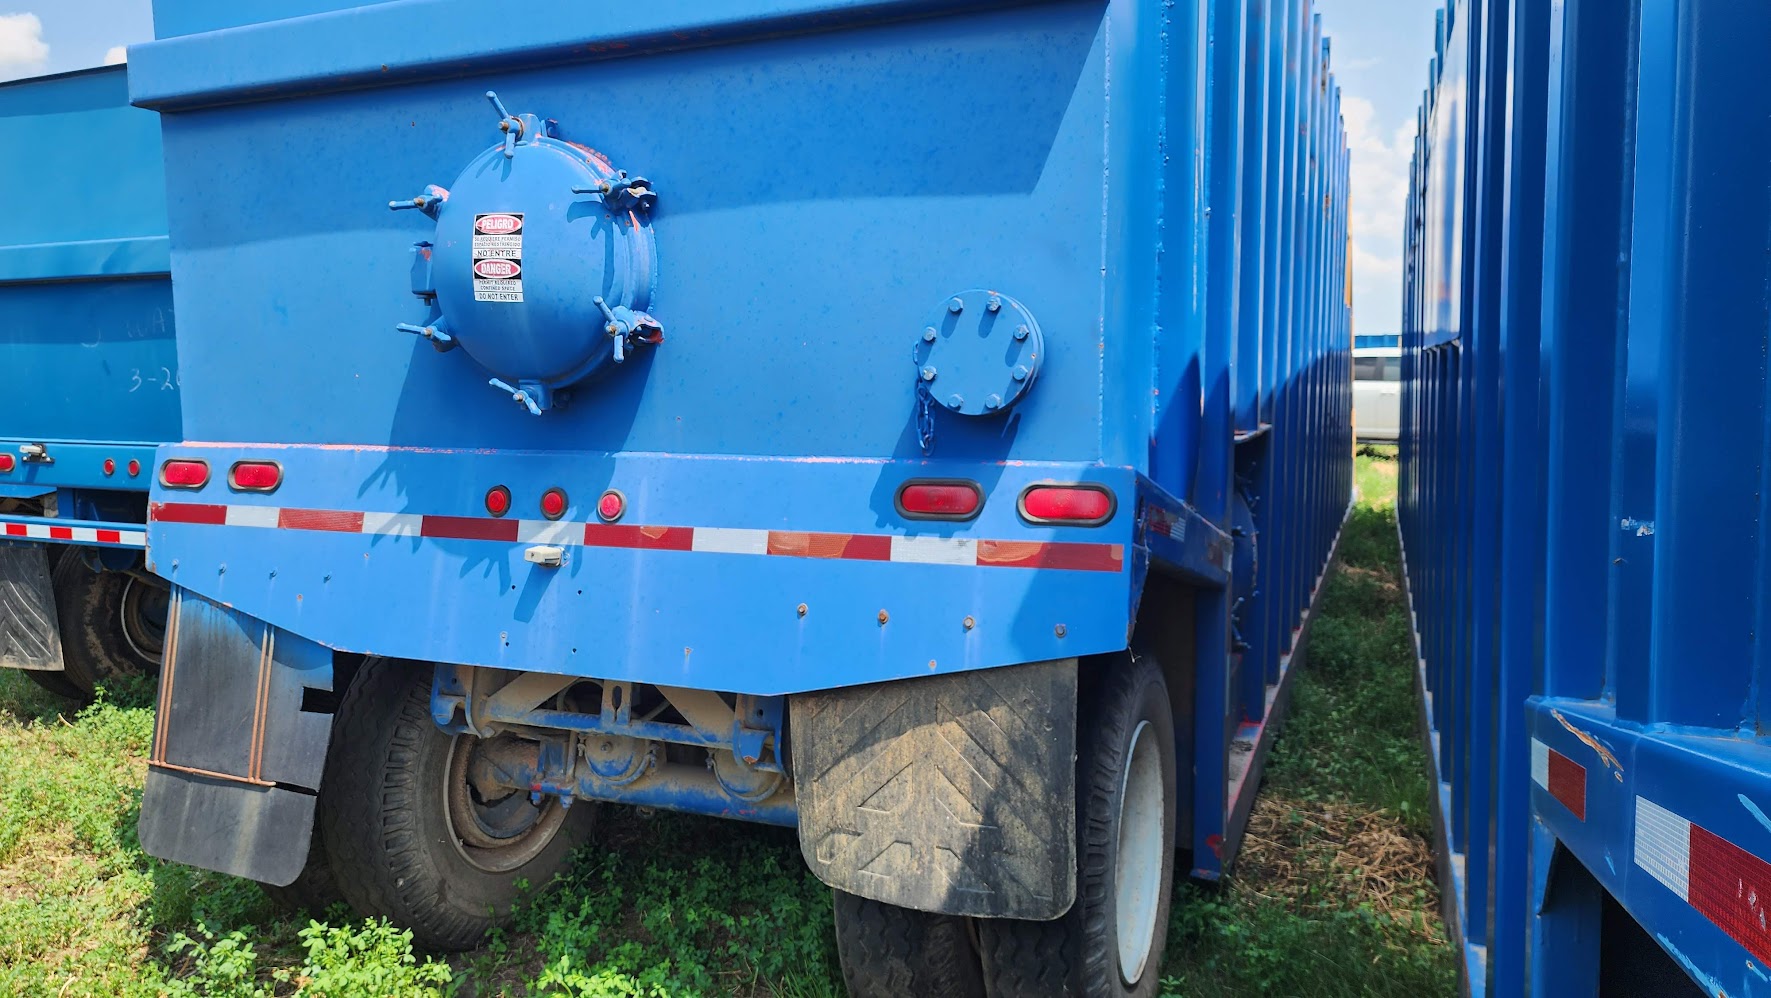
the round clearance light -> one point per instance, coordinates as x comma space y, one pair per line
7, 462
553, 503
110, 466
498, 500
611, 505
134, 468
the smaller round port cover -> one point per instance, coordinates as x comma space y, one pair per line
978, 353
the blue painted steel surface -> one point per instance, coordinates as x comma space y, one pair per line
1168, 210
1583, 491
85, 304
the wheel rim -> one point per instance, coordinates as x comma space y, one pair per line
496, 834
142, 618
1138, 876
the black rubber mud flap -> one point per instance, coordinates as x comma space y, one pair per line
952, 794
29, 637
239, 744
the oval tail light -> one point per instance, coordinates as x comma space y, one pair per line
183, 473
944, 500
255, 476
7, 462
1071, 505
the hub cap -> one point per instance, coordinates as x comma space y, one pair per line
496, 829
1138, 878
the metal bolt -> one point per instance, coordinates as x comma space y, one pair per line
1022, 332
884, 616
223, 570
970, 623
929, 334
1020, 372
956, 306
994, 305
611, 329
993, 402
956, 400
928, 374
1060, 630
802, 609
931, 665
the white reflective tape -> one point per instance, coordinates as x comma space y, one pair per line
935, 550
37, 530
729, 540
1540, 764
252, 516
1663, 846
549, 532
396, 524
132, 538
85, 535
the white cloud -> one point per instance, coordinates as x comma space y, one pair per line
116, 55
1378, 195
22, 49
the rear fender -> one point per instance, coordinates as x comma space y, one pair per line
953, 794
239, 744
29, 636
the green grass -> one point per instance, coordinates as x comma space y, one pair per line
678, 906
1334, 896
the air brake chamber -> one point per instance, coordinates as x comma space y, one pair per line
541, 267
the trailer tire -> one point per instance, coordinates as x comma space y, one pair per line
1109, 944
113, 624
887, 951
57, 683
386, 811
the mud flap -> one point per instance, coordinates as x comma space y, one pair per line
952, 794
29, 635
239, 744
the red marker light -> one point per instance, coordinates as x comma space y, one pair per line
110, 466
611, 505
498, 500
184, 474
553, 504
7, 462
940, 500
1081, 505
134, 468
255, 476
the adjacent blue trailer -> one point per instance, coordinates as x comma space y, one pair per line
86, 331
1584, 492
925, 425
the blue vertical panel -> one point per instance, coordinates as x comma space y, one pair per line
1586, 232
1216, 699
1699, 301
1259, 70
1521, 534
1182, 293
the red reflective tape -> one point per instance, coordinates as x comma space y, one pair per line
341, 520
1731, 887
187, 512
17, 530
620, 535
1568, 783
854, 547
61, 533
1062, 555
109, 536
468, 528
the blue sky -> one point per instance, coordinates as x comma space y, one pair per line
1380, 51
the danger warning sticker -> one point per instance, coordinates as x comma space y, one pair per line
497, 257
